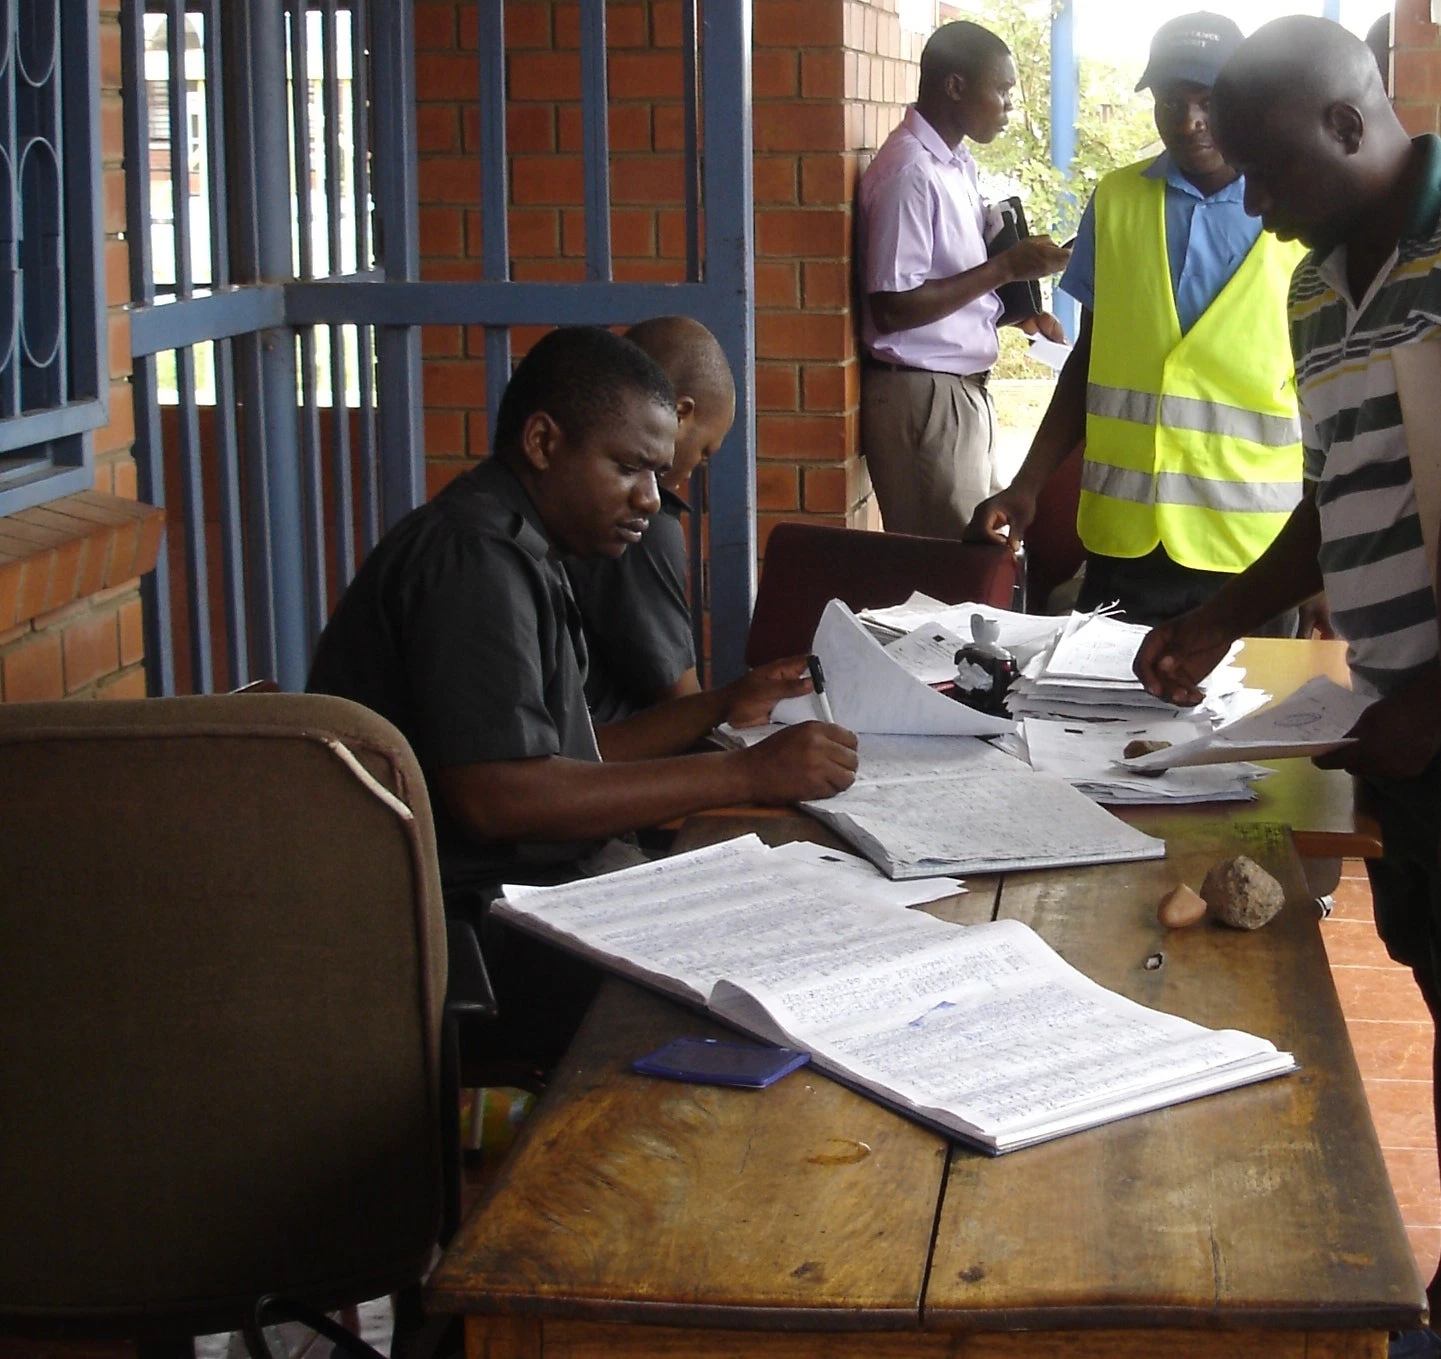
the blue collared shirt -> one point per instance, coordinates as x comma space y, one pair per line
1206, 240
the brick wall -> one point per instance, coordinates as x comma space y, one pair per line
54, 644
830, 77
1416, 67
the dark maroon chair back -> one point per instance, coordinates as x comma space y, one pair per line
806, 565
1053, 547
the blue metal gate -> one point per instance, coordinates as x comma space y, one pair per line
307, 298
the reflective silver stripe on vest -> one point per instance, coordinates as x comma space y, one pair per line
1121, 403
1188, 412
1176, 488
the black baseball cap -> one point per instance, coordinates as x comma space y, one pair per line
1190, 47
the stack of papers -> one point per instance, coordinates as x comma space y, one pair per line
1312, 721
1081, 705
1024, 635
1087, 674
929, 797
1088, 755
998, 821
981, 1031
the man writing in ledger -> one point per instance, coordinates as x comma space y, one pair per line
1301, 111
930, 309
460, 629
634, 607
1180, 383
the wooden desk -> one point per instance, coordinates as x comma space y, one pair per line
642, 1217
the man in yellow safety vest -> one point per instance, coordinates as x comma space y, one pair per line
1181, 380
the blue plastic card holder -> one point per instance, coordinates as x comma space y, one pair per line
709, 1061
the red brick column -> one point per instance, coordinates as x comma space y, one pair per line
1416, 66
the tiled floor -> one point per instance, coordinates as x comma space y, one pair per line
1391, 1033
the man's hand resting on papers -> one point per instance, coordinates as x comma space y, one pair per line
1011, 509
1176, 656
1397, 736
809, 760
749, 700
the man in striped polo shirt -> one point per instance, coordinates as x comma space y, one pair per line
1301, 112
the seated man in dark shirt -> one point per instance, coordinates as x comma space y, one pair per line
460, 628
634, 607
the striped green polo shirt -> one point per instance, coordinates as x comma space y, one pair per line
1372, 554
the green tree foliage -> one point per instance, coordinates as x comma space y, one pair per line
1113, 127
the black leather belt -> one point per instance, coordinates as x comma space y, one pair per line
980, 379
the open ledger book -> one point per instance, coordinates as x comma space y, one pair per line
981, 1031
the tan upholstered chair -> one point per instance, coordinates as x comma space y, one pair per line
222, 973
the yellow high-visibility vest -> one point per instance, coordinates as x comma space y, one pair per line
1191, 441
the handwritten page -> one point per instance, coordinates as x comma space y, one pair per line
1313, 720
983, 823
1097, 648
878, 888
683, 923
870, 692
992, 1035
928, 653
982, 1031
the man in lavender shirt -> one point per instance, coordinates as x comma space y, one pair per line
930, 310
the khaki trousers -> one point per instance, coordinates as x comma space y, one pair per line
929, 442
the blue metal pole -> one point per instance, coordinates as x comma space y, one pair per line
274, 262
397, 196
597, 139
1331, 9
494, 221
729, 278
1065, 108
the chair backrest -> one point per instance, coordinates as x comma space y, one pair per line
1054, 551
222, 972
807, 565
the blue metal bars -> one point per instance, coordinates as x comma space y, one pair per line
718, 291
253, 124
52, 389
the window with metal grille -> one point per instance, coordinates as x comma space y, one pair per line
52, 393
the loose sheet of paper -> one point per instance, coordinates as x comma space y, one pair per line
1096, 648
885, 758
870, 692
1312, 721
1049, 352
928, 653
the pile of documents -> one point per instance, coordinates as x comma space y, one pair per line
1078, 703
1315, 720
1087, 673
929, 796
981, 1031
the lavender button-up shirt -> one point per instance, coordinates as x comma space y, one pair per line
922, 217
